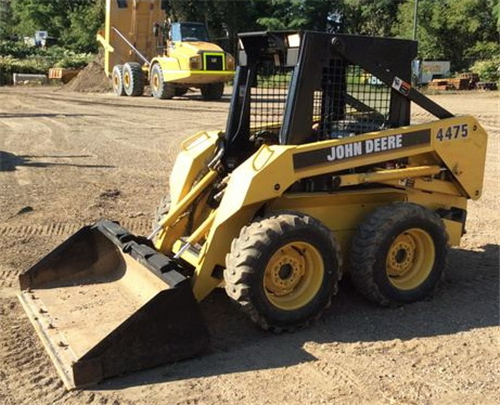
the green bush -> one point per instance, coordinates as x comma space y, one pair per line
16, 57
10, 65
488, 70
15, 49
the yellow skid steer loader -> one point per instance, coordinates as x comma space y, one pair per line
318, 174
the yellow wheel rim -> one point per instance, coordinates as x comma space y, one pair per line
126, 79
410, 259
156, 82
116, 81
293, 275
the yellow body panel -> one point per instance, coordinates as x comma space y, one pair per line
135, 22
190, 162
464, 156
341, 212
436, 176
176, 66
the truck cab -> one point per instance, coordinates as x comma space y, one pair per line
189, 32
190, 60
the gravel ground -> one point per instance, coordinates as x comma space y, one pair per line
69, 159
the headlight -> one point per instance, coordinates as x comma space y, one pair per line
229, 62
293, 40
195, 63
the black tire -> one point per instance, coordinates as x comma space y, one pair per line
399, 254
270, 246
180, 91
133, 79
212, 91
160, 211
117, 80
159, 88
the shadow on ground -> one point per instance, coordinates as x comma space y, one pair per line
468, 299
9, 162
148, 102
43, 115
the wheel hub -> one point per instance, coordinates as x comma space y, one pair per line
293, 275
401, 255
285, 272
410, 259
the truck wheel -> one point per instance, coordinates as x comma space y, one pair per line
133, 79
398, 254
180, 91
117, 80
213, 91
159, 88
283, 270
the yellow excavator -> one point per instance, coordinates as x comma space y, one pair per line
317, 174
142, 45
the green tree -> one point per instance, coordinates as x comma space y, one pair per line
455, 30
221, 17
236, 16
496, 13
369, 17
73, 22
7, 20
299, 14
84, 22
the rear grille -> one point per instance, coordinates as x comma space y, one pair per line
214, 62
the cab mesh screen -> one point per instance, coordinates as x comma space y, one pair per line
349, 102
268, 97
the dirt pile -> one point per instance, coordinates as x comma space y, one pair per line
91, 79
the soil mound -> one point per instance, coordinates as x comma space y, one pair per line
91, 79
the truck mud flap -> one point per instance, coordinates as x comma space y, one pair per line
103, 304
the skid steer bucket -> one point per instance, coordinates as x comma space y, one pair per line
104, 304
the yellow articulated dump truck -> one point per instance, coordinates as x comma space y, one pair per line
142, 45
316, 175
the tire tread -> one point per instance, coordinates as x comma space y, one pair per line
371, 234
245, 254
